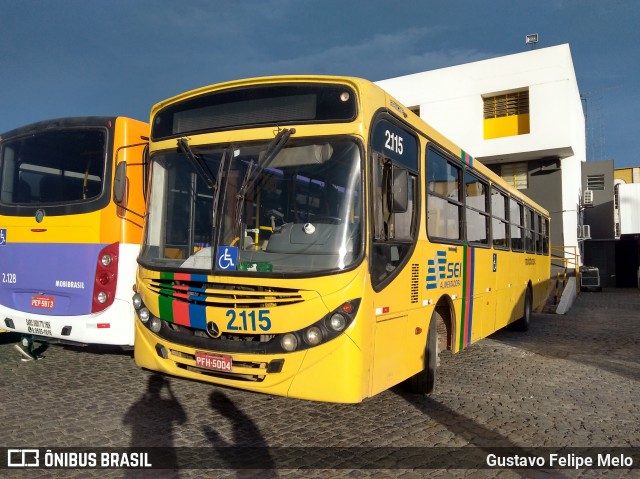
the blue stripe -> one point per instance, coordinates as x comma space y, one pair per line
197, 316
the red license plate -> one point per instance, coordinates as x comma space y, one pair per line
213, 361
42, 302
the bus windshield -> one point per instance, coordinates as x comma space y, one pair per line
296, 211
53, 167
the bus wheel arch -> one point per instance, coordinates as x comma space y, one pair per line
439, 338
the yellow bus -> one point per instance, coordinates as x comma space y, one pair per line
71, 218
310, 237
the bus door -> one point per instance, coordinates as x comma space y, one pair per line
394, 259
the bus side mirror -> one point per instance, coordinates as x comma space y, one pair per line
399, 191
120, 183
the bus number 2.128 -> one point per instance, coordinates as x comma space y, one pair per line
9, 278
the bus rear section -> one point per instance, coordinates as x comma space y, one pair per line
67, 251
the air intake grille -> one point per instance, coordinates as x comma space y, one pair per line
415, 279
226, 295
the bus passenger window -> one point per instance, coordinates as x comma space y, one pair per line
444, 205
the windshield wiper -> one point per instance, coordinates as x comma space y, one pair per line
198, 163
276, 145
255, 169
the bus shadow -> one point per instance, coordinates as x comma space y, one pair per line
475, 434
556, 337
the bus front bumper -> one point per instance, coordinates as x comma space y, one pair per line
330, 372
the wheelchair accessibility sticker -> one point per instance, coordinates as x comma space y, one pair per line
227, 258
3, 236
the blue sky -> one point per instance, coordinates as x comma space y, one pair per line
120, 57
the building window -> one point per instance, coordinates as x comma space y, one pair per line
506, 114
515, 174
595, 182
510, 104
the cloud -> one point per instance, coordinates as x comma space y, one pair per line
382, 55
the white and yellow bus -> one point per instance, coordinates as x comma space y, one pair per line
71, 218
308, 236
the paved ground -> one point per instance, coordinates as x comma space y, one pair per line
571, 381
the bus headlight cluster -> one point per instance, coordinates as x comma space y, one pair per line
337, 322
322, 331
152, 322
137, 301
155, 324
313, 336
289, 342
143, 314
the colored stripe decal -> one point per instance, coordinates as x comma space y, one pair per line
466, 158
165, 305
174, 305
198, 316
472, 277
181, 313
466, 314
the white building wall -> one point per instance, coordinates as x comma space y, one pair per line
629, 208
451, 100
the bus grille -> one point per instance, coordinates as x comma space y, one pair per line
227, 295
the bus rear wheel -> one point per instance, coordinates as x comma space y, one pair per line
425, 381
524, 322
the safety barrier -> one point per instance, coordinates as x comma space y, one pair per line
566, 258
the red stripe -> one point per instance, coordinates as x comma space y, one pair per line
181, 313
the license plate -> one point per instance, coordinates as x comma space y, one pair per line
217, 362
42, 302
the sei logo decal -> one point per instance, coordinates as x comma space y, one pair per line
442, 273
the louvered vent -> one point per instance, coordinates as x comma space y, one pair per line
415, 280
516, 103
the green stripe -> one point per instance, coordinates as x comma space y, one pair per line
165, 304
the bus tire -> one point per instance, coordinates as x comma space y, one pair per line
524, 322
424, 382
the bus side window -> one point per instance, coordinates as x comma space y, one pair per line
393, 231
444, 205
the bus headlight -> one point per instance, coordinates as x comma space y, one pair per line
137, 301
313, 336
337, 322
289, 342
143, 314
155, 324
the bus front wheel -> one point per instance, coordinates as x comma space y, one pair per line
424, 382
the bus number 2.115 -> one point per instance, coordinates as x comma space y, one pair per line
248, 321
